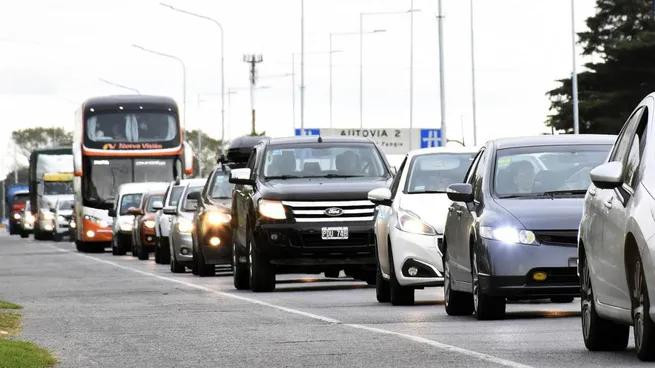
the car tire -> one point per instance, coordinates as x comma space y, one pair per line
486, 307
82, 247
240, 270
24, 234
382, 292
142, 252
398, 294
562, 299
644, 327
457, 303
202, 268
157, 253
117, 247
164, 250
177, 267
598, 333
262, 273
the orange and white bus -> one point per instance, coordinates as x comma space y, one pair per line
122, 139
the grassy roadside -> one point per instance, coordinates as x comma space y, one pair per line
14, 353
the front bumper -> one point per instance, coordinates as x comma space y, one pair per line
182, 244
418, 251
300, 244
216, 254
508, 269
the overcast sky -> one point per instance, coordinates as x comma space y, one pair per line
54, 52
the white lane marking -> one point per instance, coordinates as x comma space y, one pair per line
421, 340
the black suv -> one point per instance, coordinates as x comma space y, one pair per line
301, 205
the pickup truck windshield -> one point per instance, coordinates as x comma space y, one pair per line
323, 160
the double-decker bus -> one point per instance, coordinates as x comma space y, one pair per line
122, 139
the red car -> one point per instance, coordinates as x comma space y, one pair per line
144, 237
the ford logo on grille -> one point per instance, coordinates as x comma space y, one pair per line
333, 211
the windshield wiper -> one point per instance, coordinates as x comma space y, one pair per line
282, 177
429, 192
554, 193
335, 176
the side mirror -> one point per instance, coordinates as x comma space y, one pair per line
241, 176
460, 192
134, 211
157, 205
112, 212
191, 205
170, 210
608, 175
380, 196
194, 196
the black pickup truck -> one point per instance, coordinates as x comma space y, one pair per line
300, 206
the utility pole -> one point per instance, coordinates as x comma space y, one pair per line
293, 89
574, 75
302, 67
253, 60
475, 122
442, 83
411, 70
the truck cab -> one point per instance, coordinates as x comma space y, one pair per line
301, 206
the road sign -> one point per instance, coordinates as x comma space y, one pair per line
430, 138
308, 132
390, 140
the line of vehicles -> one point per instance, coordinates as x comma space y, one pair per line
549, 217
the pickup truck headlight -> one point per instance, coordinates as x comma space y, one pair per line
150, 224
272, 209
412, 223
508, 234
184, 225
218, 218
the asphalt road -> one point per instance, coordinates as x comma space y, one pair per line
98, 310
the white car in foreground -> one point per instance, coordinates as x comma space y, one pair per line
410, 221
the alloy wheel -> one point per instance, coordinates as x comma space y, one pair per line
586, 299
638, 313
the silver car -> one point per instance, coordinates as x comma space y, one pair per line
63, 216
180, 236
163, 221
410, 221
617, 244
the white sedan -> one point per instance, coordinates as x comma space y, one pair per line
410, 221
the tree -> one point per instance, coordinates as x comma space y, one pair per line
622, 35
27, 140
209, 152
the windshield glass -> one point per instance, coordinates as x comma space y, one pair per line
433, 173
323, 160
131, 127
106, 175
190, 203
66, 205
221, 188
533, 171
174, 196
57, 187
129, 200
152, 200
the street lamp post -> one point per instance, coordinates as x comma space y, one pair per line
361, 58
179, 60
473, 102
332, 51
442, 82
220, 27
574, 75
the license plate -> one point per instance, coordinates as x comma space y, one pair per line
332, 233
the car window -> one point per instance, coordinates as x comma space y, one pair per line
623, 142
396, 179
434, 172
479, 176
474, 165
633, 159
175, 194
129, 200
152, 200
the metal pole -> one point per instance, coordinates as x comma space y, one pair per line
330, 52
574, 75
475, 122
442, 82
411, 70
293, 88
361, 71
302, 67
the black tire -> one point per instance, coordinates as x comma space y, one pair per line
202, 268
262, 273
24, 234
599, 334
240, 270
164, 250
177, 267
457, 303
382, 292
133, 246
12, 229
398, 294
142, 252
562, 299
644, 328
117, 247
485, 307
157, 253
81, 247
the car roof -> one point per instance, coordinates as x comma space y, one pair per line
193, 182
433, 150
316, 139
550, 140
131, 188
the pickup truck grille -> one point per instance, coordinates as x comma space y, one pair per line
331, 211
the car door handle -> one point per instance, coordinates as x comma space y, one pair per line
608, 203
592, 192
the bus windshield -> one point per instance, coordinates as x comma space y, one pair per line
106, 175
128, 128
